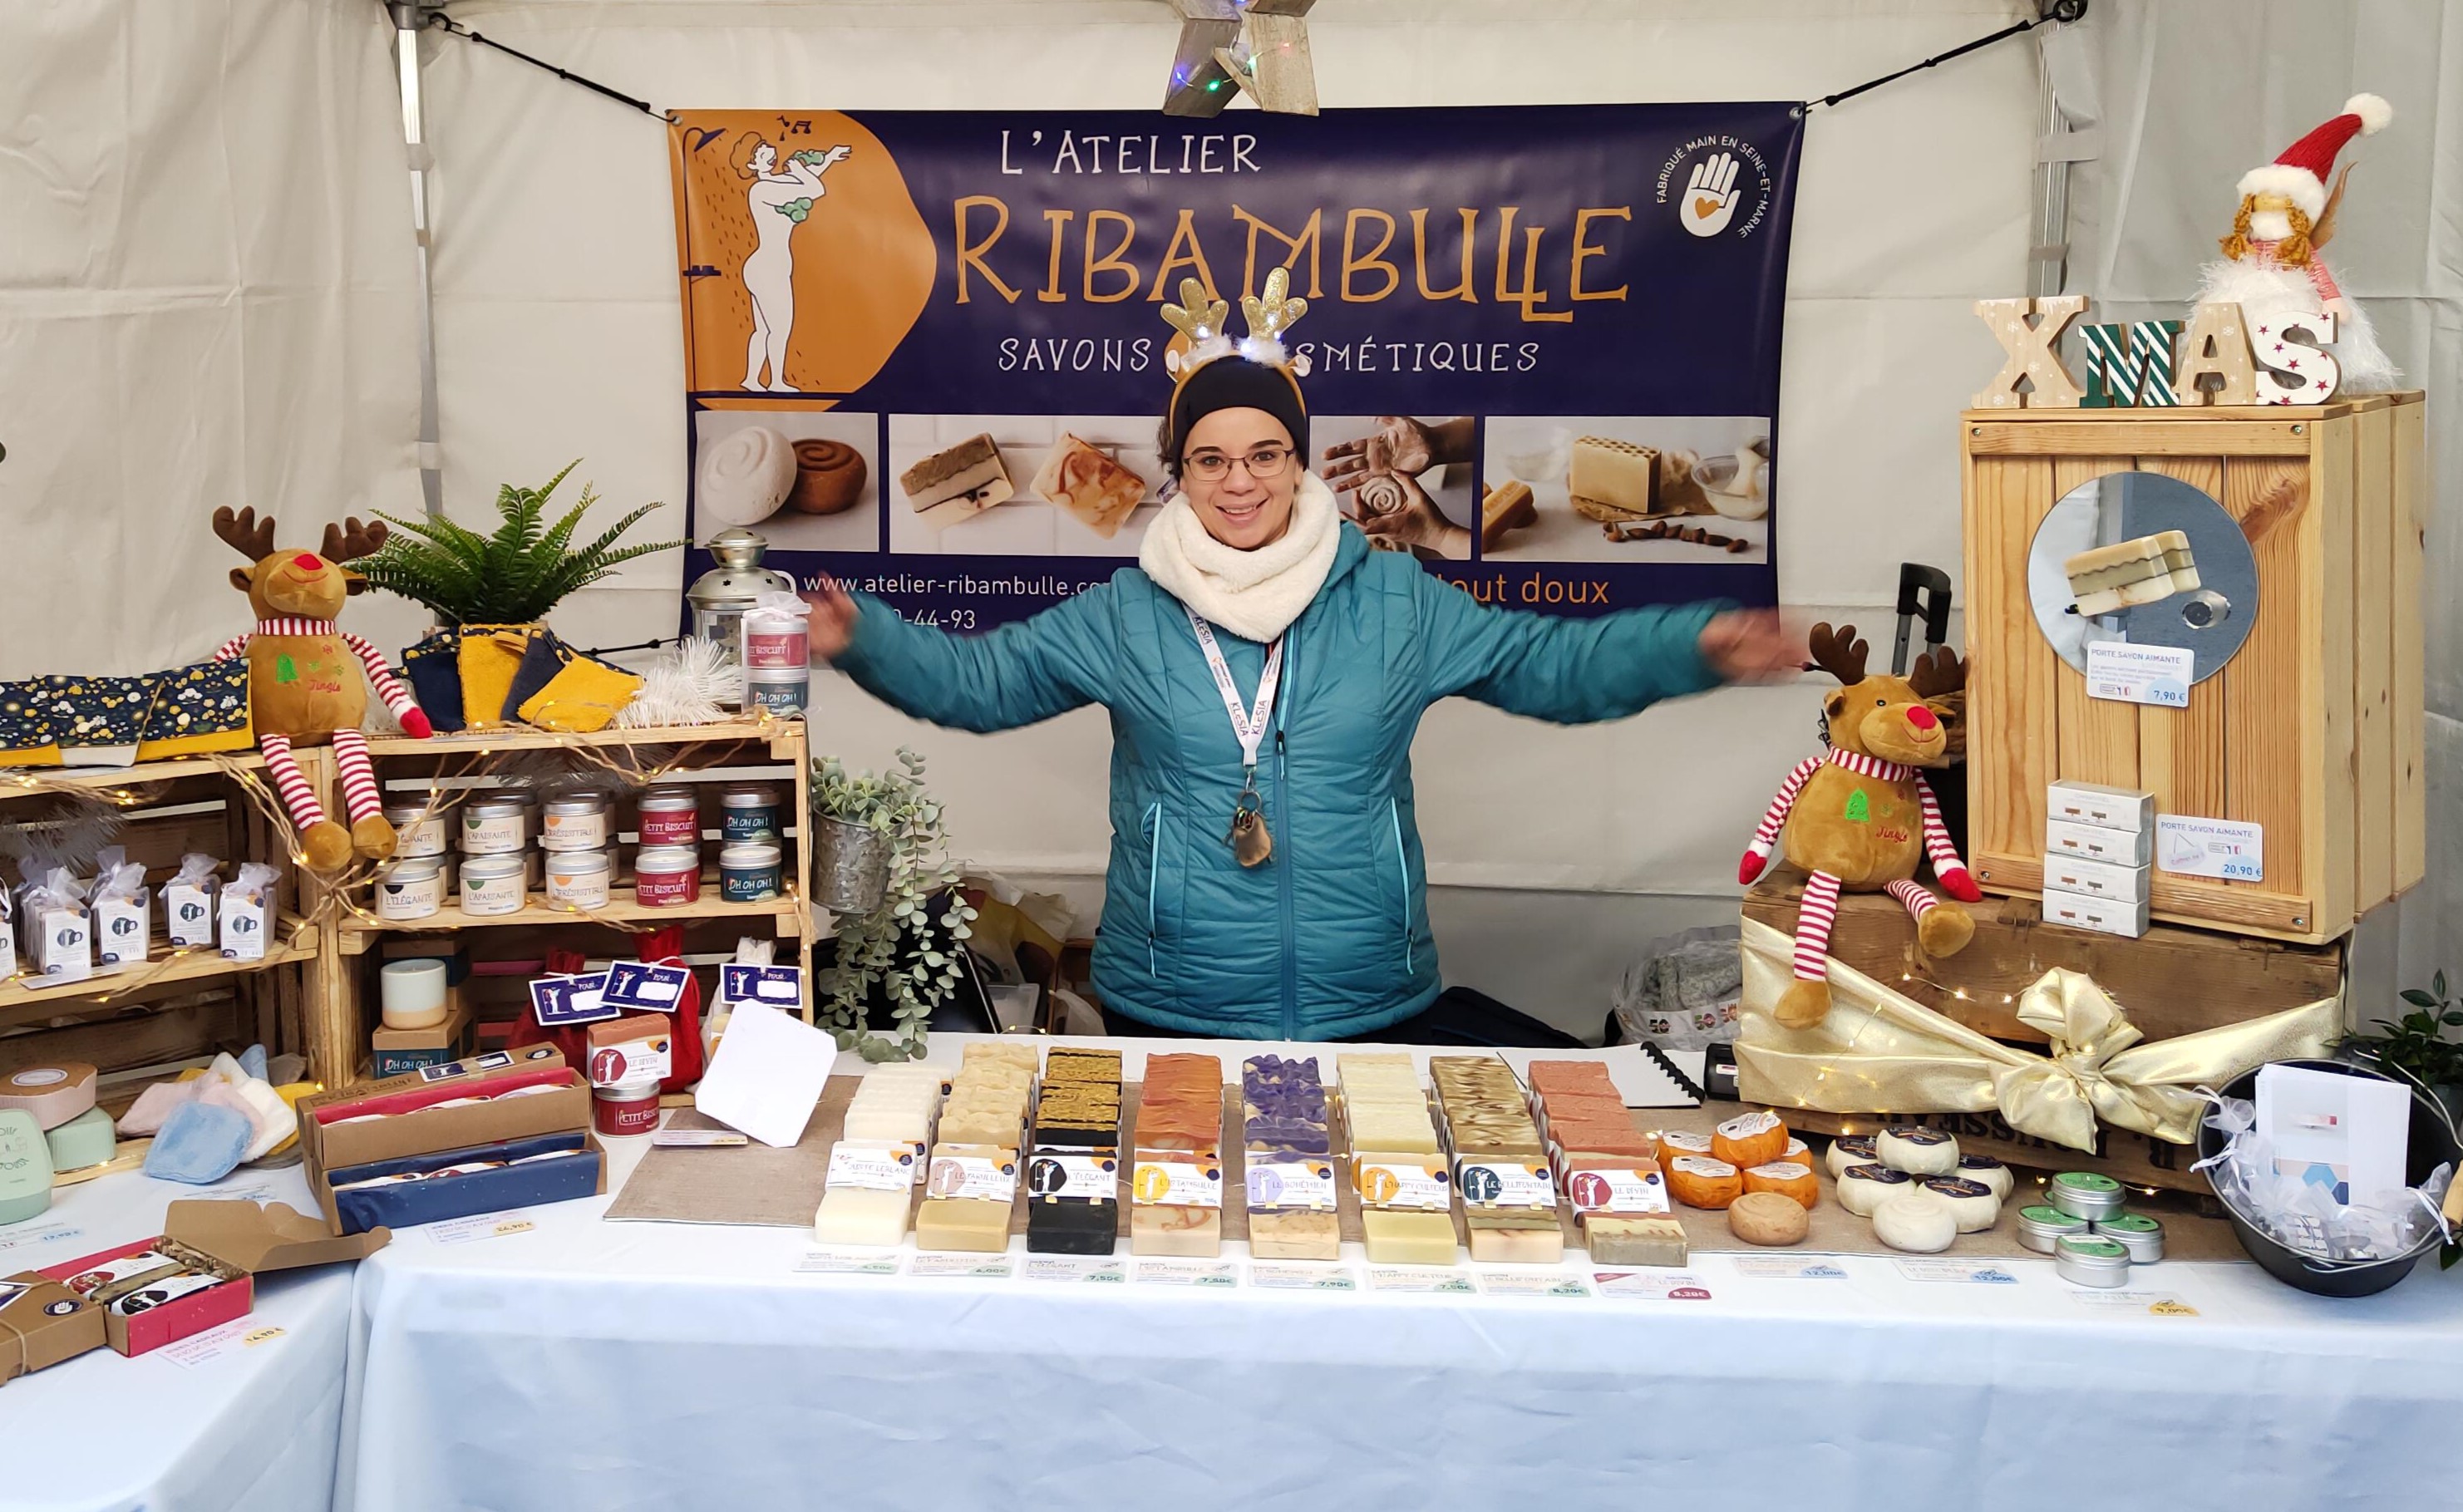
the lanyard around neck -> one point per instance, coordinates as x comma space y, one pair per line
1248, 726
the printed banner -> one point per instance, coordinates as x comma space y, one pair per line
923, 351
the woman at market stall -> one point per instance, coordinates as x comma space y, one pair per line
1265, 673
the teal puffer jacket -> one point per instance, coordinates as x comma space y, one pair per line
1329, 937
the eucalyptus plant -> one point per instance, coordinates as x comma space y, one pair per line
871, 946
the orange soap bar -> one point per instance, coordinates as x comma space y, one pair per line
1700, 1182
1788, 1179
1748, 1140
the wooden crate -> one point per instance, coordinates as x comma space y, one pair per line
764, 750
2173, 982
2312, 731
143, 1025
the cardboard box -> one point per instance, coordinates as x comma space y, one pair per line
2102, 805
2106, 915
246, 1238
332, 1147
44, 1324
393, 1052
2114, 847
2097, 879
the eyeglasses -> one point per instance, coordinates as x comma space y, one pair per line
1214, 467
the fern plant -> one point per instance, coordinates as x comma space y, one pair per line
513, 576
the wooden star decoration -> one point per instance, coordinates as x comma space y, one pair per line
1210, 66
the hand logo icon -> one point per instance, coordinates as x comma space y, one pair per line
1709, 200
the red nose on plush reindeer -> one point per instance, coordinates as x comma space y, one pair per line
305, 678
1860, 817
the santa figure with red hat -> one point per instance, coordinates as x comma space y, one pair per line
2271, 264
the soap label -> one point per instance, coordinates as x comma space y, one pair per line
1532, 1284
1177, 1183
875, 1165
122, 931
778, 986
645, 988
1493, 1183
972, 1267
1300, 1276
187, 915
633, 1060
1427, 1279
847, 1262
1618, 1192
243, 928
2152, 1304
987, 1172
2155, 675
1284, 1185
1093, 1178
1217, 1275
1650, 1286
1409, 1186
1078, 1269
64, 946
2210, 847
560, 1000
1958, 1272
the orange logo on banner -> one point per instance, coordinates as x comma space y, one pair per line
806, 261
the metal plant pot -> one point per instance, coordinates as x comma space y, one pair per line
850, 866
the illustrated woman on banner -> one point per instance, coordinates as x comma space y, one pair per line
783, 196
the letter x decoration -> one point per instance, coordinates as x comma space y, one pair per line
2029, 346
1212, 64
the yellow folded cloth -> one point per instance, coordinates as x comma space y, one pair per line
584, 696
489, 656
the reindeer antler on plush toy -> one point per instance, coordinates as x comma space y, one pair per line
302, 686
1860, 817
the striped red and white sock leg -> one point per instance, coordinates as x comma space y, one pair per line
1914, 897
288, 781
1813, 917
360, 793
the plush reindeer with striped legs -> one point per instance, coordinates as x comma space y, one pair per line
305, 678
1860, 817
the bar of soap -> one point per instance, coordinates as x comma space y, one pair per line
1300, 1234
1523, 1246
858, 1216
1635, 1241
957, 484
1072, 1227
963, 1223
1196, 1233
1617, 473
1400, 1237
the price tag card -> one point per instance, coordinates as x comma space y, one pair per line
698, 1139
1651, 1285
876, 1165
1093, 1270
1215, 1275
1282, 1186
1958, 1272
1067, 1174
647, 988
1411, 1185
1788, 1267
987, 1172
1193, 1181
778, 986
1300, 1276
478, 1226
559, 1001
1427, 1279
2156, 675
1532, 1284
1490, 1184
215, 1342
2152, 1304
1630, 1191
848, 1262
2210, 847
973, 1267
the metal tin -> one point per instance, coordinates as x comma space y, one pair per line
2041, 1228
2086, 1195
2141, 1236
748, 811
493, 885
583, 821
775, 642
579, 879
2091, 1261
666, 877
410, 887
670, 815
850, 865
783, 692
628, 1107
418, 830
495, 826
749, 871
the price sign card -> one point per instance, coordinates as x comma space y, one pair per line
778, 986
2156, 675
645, 988
2210, 847
559, 1001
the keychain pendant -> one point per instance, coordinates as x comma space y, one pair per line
1251, 844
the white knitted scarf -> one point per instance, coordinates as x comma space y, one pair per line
1255, 595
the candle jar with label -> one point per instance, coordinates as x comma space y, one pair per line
670, 815
666, 877
417, 829
579, 821
627, 1107
410, 887
579, 879
748, 811
493, 826
749, 871
781, 691
494, 884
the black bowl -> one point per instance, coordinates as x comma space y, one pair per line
2432, 1143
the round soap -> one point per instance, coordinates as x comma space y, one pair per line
1752, 1139
51, 1091
1675, 1142
829, 478
85, 1140
746, 474
1788, 1179
1699, 1181
1801, 1153
1918, 1223
1973, 1203
1767, 1217
1989, 1170
1850, 1150
1917, 1150
1864, 1188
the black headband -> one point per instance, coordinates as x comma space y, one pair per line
1234, 382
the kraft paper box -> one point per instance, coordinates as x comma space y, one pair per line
250, 1239
397, 1051
42, 1322
330, 1147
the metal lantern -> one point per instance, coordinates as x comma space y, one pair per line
720, 595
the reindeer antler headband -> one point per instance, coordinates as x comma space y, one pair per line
1269, 314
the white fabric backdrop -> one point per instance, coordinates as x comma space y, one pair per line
205, 298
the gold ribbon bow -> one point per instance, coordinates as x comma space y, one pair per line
1882, 1052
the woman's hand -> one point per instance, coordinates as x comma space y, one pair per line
1416, 522
1754, 645
832, 626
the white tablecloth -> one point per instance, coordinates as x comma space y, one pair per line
654, 1365
253, 1428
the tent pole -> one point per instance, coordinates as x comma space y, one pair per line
409, 19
